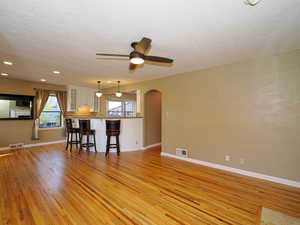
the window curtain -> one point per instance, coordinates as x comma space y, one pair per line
62, 100
41, 98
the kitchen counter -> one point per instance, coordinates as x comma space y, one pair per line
131, 135
99, 117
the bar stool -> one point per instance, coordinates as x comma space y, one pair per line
113, 130
70, 131
85, 130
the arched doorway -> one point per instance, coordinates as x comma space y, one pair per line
152, 118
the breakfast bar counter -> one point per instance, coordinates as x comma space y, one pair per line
131, 136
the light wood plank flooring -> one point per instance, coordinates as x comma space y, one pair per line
47, 185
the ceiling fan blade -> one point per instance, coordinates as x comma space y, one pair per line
143, 45
118, 55
132, 66
158, 59
111, 58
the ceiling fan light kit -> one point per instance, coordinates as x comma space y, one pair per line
251, 2
139, 54
136, 58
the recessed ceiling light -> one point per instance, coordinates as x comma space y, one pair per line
43, 80
4, 74
7, 63
56, 72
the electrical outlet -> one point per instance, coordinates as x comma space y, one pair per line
227, 158
242, 161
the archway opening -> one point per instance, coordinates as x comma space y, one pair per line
152, 118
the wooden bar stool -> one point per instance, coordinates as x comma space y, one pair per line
113, 130
70, 131
85, 130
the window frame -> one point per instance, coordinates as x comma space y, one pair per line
123, 107
61, 125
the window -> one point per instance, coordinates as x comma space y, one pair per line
122, 108
51, 116
129, 108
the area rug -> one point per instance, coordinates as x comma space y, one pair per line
271, 217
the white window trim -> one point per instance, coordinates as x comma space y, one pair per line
54, 128
107, 106
123, 109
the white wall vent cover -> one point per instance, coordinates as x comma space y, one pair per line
15, 146
182, 152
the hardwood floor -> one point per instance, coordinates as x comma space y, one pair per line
47, 185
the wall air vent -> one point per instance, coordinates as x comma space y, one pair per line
182, 152
16, 146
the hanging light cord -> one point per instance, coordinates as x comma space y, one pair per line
99, 82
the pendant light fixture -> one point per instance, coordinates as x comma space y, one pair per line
118, 93
99, 93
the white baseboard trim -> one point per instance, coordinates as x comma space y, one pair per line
135, 149
121, 150
35, 144
234, 170
44, 143
62, 141
4, 148
151, 146
130, 150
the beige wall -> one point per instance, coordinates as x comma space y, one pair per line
152, 118
20, 131
247, 110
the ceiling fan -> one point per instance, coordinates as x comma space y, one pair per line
139, 55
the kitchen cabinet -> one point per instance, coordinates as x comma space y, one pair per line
82, 97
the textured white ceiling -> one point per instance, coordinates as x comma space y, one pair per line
42, 36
